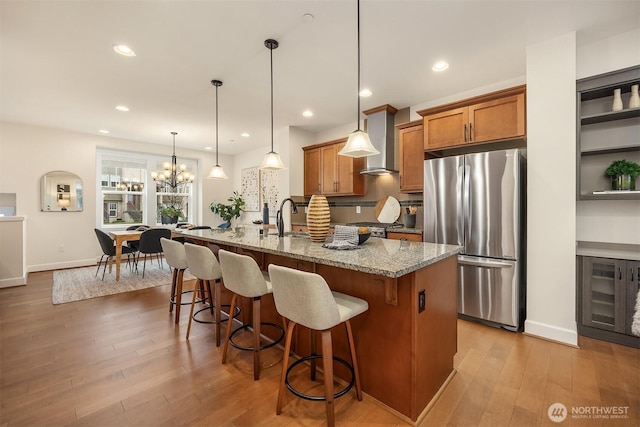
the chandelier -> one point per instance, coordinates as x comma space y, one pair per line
173, 175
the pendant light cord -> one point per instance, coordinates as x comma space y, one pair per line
358, 113
217, 164
271, 51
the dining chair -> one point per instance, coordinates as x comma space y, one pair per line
109, 250
150, 245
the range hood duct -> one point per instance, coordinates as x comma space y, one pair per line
381, 130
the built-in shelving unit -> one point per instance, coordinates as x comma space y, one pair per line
604, 136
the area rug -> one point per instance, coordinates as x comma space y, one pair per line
76, 284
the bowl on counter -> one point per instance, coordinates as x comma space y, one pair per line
362, 237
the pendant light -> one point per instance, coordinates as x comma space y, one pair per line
272, 160
358, 144
217, 172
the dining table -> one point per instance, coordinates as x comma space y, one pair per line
122, 236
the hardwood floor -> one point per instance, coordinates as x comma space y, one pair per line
120, 360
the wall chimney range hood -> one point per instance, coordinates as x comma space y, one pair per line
381, 130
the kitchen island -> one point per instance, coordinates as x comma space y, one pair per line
406, 340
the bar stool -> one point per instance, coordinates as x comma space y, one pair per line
176, 258
242, 276
305, 298
204, 265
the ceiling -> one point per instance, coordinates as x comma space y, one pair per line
58, 68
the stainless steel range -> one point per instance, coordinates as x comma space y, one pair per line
377, 229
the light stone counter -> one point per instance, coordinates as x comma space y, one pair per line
384, 257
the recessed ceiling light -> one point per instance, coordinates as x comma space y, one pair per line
307, 17
307, 113
208, 148
440, 66
103, 131
245, 135
365, 93
122, 108
124, 50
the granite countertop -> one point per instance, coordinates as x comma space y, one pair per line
384, 257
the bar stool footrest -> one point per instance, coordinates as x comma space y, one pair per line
172, 299
249, 325
319, 398
212, 322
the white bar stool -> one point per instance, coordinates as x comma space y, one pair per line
243, 277
204, 265
305, 298
175, 256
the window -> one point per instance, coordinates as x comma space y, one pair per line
130, 196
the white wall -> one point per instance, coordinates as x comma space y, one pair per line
551, 174
28, 152
614, 221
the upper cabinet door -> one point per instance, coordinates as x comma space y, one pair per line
502, 118
446, 129
344, 172
411, 159
312, 172
328, 162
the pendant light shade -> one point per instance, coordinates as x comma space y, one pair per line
358, 144
272, 160
217, 172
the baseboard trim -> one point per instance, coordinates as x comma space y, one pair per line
551, 332
61, 265
13, 281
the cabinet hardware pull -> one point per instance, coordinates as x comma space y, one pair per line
318, 187
619, 273
631, 274
400, 180
470, 132
465, 132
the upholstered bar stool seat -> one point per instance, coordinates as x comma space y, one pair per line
204, 265
243, 277
177, 259
305, 298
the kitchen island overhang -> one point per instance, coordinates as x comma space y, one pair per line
406, 340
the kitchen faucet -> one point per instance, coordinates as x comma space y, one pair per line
280, 216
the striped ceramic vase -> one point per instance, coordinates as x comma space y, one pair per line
318, 218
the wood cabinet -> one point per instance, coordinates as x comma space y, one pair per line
312, 172
412, 237
608, 294
604, 136
327, 173
497, 116
411, 142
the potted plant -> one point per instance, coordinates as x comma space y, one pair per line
169, 214
623, 174
230, 211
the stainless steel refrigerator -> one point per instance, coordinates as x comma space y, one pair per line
477, 201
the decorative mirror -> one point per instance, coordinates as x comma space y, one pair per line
61, 191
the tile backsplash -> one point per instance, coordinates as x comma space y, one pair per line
343, 208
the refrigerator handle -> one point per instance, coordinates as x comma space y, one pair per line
464, 217
460, 205
483, 262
